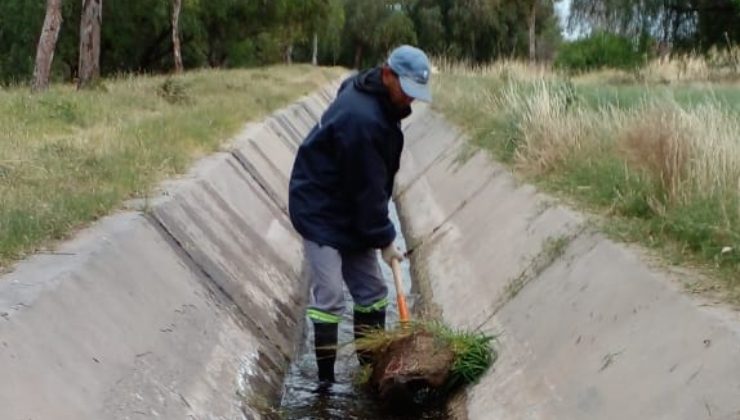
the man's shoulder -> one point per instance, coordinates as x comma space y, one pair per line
356, 107
353, 95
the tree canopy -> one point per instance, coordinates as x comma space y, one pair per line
690, 25
136, 35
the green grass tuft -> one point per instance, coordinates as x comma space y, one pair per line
474, 352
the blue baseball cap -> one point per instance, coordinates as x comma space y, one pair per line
413, 70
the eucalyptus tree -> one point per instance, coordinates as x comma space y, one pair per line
90, 24
47, 44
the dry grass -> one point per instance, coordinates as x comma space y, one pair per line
694, 154
514, 70
68, 157
654, 146
718, 65
549, 129
691, 152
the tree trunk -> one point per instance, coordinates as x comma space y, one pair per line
358, 56
315, 55
47, 45
92, 17
289, 54
532, 33
176, 6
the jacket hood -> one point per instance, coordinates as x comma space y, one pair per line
371, 82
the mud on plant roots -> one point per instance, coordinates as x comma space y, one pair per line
423, 363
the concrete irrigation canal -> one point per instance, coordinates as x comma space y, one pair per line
191, 305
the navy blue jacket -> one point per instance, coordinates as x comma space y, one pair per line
343, 173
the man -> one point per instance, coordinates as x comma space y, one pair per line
341, 183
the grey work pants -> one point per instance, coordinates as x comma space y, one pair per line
330, 269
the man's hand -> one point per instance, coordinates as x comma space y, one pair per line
391, 252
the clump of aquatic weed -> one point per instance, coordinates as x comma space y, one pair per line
473, 351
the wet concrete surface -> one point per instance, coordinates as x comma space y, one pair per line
304, 400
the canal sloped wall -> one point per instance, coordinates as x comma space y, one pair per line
186, 306
586, 329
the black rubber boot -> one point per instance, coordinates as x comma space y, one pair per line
325, 344
364, 322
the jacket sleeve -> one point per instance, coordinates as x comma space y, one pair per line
365, 176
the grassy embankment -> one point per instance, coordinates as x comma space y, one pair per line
656, 153
67, 157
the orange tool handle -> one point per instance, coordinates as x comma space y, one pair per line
403, 310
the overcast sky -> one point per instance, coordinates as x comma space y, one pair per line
563, 9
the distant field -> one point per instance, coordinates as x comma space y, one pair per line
629, 96
67, 157
660, 161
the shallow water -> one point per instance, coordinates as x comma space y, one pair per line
343, 400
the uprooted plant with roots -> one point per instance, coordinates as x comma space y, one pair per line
421, 364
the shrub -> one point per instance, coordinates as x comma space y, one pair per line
600, 50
